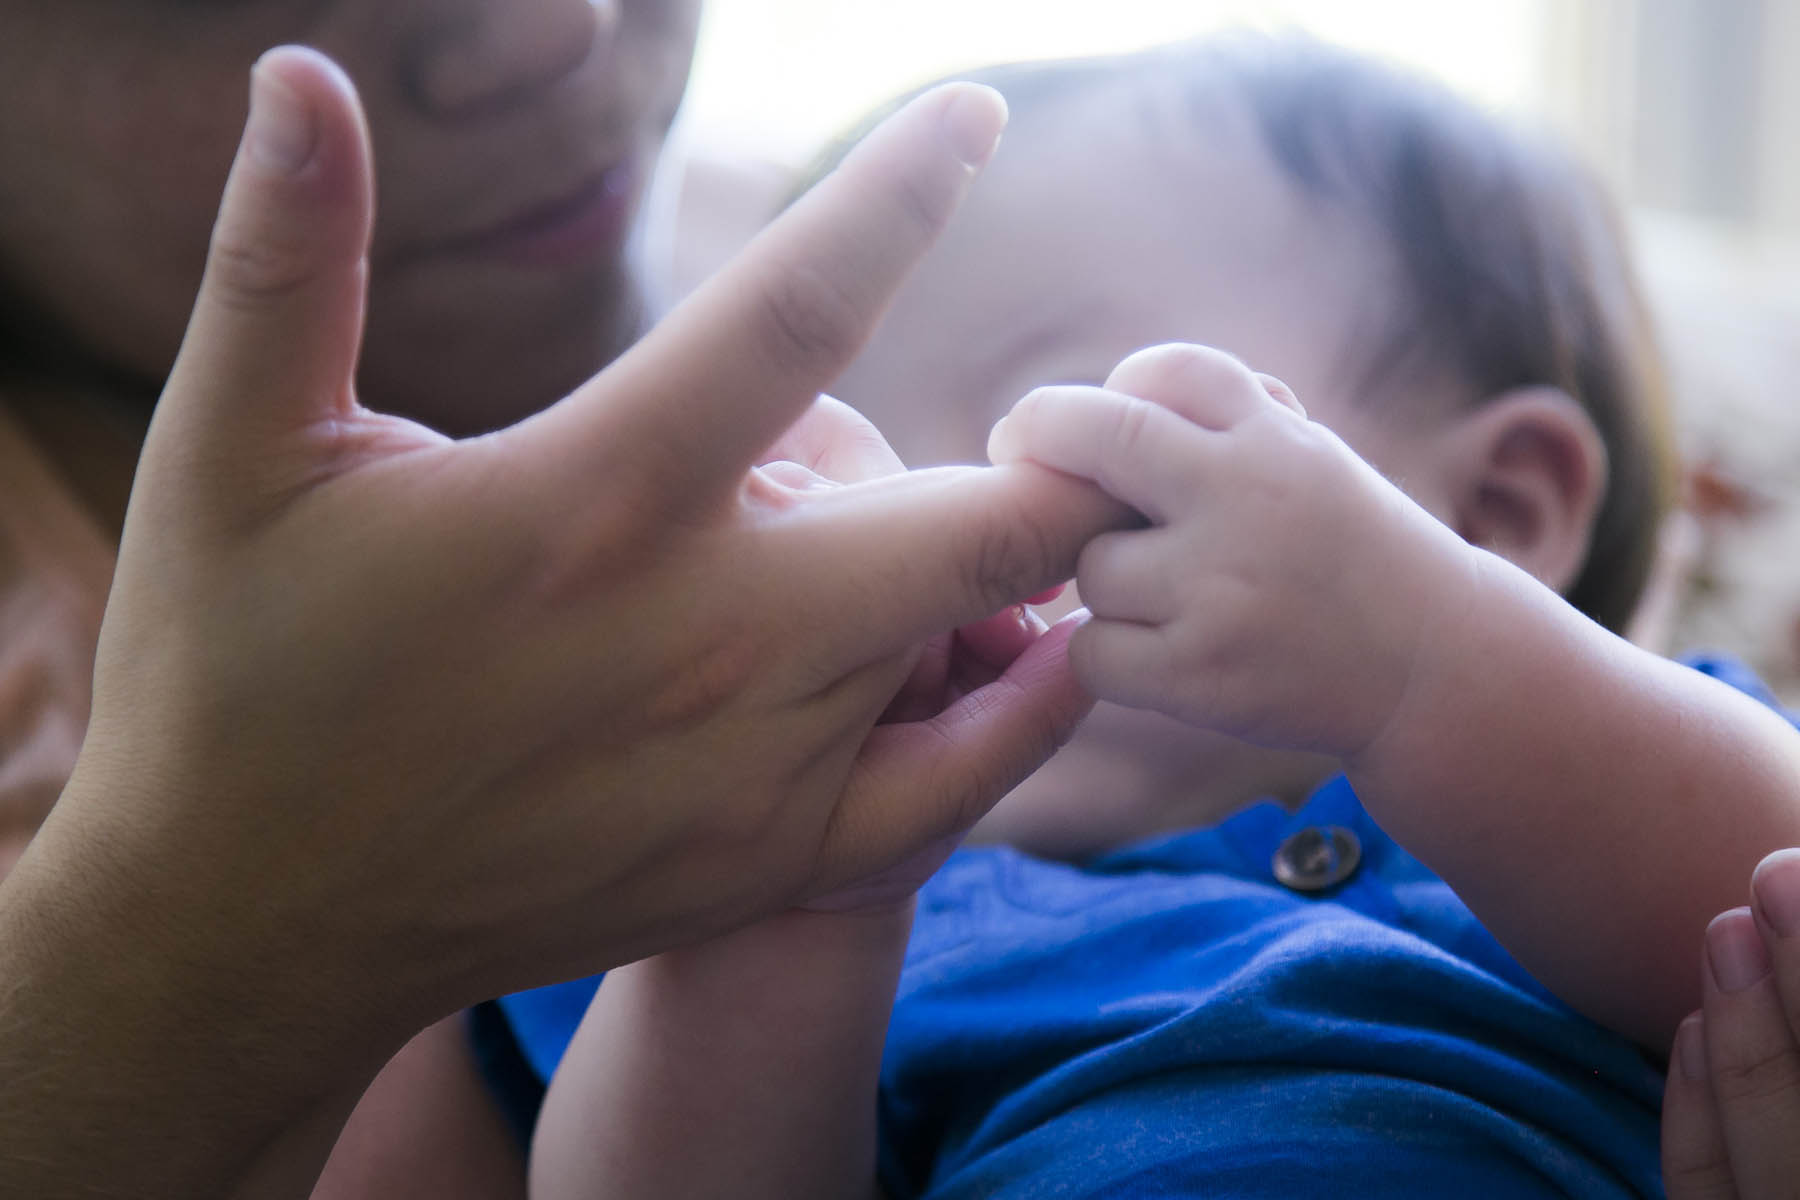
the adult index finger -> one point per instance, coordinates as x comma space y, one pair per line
692, 405
1694, 1160
929, 551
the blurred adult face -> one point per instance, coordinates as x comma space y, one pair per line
512, 143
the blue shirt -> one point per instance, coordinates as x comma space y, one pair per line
1170, 1020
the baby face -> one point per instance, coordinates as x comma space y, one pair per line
512, 140
1116, 218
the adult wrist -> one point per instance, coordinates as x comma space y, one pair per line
141, 1049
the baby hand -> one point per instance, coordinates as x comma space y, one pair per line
1283, 587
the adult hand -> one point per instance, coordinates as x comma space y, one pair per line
385, 723
834, 444
1731, 1112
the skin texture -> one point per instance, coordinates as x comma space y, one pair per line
1058, 266
617, 1121
1733, 1099
1313, 589
789, 1115
119, 120
118, 126
1575, 791
1085, 240
663, 732
1283, 592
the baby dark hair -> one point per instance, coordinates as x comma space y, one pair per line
1511, 268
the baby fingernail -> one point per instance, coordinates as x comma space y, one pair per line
1776, 885
1735, 950
1002, 443
1281, 393
1690, 1048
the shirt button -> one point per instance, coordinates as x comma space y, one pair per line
1318, 857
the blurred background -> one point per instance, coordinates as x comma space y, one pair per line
1690, 109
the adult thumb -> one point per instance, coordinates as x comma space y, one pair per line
277, 324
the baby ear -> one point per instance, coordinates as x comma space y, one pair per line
1529, 474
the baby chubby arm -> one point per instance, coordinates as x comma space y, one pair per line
1593, 804
747, 1065
742, 1067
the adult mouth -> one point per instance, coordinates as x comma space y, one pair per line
589, 220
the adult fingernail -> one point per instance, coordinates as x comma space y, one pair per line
1735, 950
973, 121
282, 130
1776, 886
1690, 1048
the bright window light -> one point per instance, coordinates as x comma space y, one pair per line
776, 78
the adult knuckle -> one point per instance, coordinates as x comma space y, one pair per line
812, 322
706, 678
921, 203
251, 269
968, 792
979, 781
1011, 557
1709, 1179
1761, 1075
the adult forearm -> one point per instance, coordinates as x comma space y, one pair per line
139, 1056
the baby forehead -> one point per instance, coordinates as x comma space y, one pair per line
1139, 194
1108, 166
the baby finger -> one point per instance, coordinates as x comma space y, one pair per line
1209, 387
1135, 450
1125, 663
1126, 577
